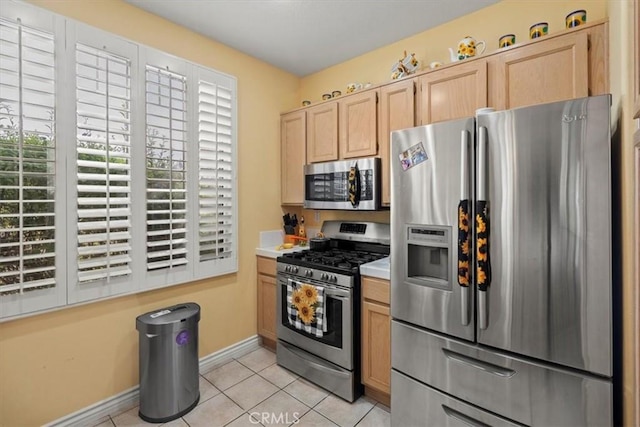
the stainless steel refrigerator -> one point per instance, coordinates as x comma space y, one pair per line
501, 269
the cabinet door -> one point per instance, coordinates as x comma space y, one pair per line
358, 125
547, 71
267, 306
453, 92
322, 132
293, 128
376, 348
397, 111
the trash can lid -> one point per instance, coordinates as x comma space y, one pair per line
165, 316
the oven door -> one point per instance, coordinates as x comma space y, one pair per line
336, 344
347, 185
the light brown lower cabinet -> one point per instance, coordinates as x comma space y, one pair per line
376, 339
267, 295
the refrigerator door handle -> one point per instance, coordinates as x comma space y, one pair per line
481, 221
463, 230
463, 418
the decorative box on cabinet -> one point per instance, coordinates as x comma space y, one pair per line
267, 287
293, 131
376, 338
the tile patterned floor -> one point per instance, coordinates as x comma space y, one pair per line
253, 391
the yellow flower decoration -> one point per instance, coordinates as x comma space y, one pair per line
310, 293
481, 276
298, 299
482, 227
465, 247
463, 220
306, 313
482, 252
463, 272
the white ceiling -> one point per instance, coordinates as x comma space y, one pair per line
306, 36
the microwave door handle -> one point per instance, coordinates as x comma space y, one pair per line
483, 264
354, 185
464, 230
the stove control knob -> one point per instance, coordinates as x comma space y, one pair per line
308, 273
323, 276
287, 268
334, 278
295, 269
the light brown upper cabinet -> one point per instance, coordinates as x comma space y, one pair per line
358, 125
397, 111
293, 131
322, 132
552, 70
453, 92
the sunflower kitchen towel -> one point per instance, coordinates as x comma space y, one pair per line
306, 307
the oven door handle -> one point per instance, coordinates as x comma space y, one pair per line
332, 291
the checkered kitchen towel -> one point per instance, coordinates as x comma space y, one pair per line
319, 324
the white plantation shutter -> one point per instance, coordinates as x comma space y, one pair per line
216, 175
117, 165
103, 154
27, 159
166, 168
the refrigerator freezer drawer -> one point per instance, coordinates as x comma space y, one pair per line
524, 391
415, 404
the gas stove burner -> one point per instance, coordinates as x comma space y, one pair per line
342, 259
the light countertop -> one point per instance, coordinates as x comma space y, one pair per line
270, 241
379, 269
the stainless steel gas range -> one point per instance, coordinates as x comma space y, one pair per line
318, 311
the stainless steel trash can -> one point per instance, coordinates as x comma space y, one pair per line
168, 360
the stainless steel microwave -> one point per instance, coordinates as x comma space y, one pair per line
346, 185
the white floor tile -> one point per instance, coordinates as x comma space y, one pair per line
217, 411
343, 413
258, 359
228, 375
251, 391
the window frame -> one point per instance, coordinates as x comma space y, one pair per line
68, 291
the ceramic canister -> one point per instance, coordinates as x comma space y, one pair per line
506, 40
538, 30
575, 18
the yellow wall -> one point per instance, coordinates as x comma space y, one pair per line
54, 364
621, 66
488, 24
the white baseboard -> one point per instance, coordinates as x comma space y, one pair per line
100, 411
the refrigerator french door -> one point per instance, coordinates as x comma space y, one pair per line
501, 267
431, 167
